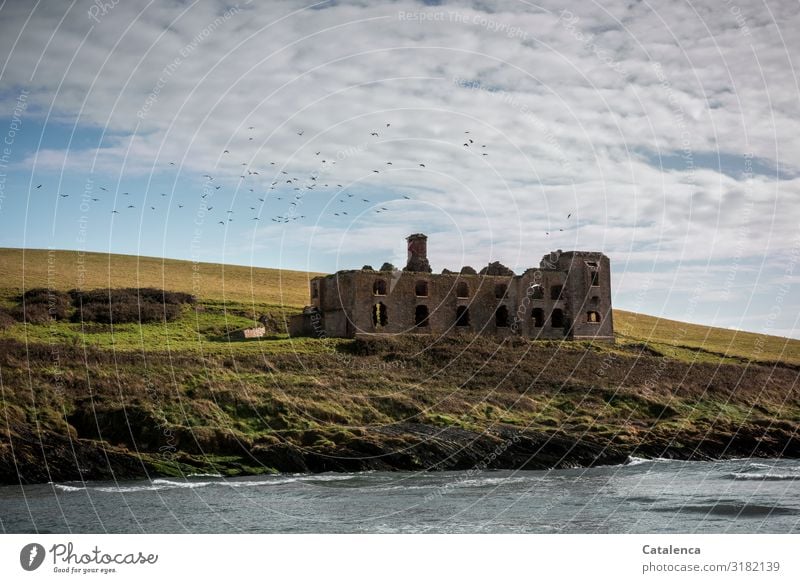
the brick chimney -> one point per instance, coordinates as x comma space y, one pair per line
418, 253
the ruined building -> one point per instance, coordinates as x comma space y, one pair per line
567, 297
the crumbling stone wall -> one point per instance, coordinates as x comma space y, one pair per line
567, 296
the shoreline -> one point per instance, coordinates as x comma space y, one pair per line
406, 447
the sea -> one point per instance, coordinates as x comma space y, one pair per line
642, 496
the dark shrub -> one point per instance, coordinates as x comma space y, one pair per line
6, 319
126, 305
32, 314
467, 270
130, 295
496, 268
388, 267
40, 305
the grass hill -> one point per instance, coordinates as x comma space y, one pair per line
81, 401
232, 296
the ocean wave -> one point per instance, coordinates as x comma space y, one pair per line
635, 461
763, 476
68, 488
159, 484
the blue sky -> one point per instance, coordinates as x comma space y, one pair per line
664, 136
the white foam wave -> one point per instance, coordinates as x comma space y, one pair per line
766, 477
68, 488
635, 461
167, 484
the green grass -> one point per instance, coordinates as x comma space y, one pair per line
231, 297
705, 343
64, 270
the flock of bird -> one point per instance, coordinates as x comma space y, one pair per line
291, 187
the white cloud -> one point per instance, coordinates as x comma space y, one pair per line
564, 102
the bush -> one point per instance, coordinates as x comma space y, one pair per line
130, 295
40, 305
6, 318
467, 270
125, 305
496, 268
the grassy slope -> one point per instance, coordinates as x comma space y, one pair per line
209, 281
232, 295
663, 383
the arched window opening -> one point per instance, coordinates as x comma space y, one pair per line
500, 290
379, 287
537, 315
462, 290
593, 317
555, 292
421, 289
537, 292
557, 318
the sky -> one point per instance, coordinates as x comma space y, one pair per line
316, 136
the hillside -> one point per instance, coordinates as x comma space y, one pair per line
209, 281
91, 401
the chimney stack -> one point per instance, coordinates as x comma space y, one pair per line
418, 253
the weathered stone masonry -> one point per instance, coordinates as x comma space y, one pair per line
567, 297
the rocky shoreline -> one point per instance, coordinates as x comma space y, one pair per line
102, 415
403, 447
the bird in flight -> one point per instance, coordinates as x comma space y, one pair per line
423, 165
63, 195
301, 132
226, 151
374, 134
39, 186
102, 188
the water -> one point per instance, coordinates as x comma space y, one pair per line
748, 496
